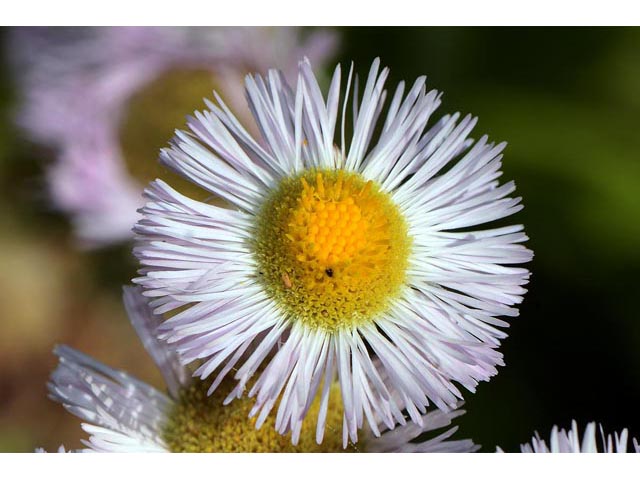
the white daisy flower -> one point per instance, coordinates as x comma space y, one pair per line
335, 254
124, 414
87, 91
562, 441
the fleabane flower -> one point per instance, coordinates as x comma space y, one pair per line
563, 441
105, 99
333, 256
124, 414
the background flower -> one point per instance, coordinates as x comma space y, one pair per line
563, 441
84, 91
127, 415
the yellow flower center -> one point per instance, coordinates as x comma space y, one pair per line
200, 423
332, 248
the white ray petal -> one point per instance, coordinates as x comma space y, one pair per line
117, 405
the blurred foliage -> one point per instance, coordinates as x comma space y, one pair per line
567, 100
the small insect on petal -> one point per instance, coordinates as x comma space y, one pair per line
286, 281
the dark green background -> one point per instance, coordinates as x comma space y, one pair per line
567, 100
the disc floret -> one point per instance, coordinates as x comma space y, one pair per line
199, 423
332, 248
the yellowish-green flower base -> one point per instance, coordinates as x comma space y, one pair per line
150, 120
332, 248
200, 423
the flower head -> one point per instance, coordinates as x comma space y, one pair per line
562, 441
102, 97
124, 414
330, 255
